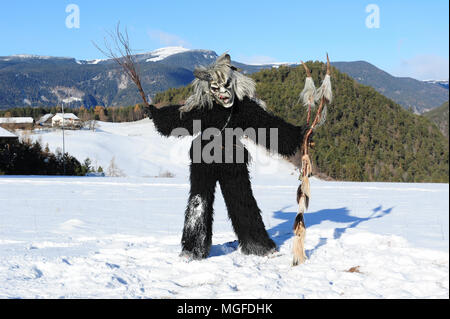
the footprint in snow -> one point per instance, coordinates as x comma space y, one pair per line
37, 273
120, 280
64, 260
112, 266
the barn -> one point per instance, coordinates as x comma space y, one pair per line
14, 123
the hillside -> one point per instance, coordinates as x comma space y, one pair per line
420, 96
439, 116
367, 137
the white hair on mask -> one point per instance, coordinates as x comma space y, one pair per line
221, 71
200, 97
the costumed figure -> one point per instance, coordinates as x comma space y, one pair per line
222, 100
222, 110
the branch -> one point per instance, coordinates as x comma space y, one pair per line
121, 53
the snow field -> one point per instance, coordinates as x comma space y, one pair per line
90, 237
120, 238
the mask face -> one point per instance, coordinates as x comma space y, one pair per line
222, 91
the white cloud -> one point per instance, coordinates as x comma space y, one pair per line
423, 67
167, 39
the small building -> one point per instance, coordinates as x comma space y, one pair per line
6, 137
14, 123
46, 120
69, 120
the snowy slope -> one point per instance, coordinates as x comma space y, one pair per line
161, 54
138, 149
120, 237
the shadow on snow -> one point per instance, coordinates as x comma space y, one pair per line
283, 232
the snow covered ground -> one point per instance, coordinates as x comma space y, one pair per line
67, 237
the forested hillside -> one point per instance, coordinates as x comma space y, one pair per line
439, 116
367, 137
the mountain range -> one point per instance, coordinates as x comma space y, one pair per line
30, 80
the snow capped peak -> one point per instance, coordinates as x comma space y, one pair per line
35, 57
162, 53
436, 81
96, 61
30, 56
441, 83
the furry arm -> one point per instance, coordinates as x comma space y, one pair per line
290, 137
168, 118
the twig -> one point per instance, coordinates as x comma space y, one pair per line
123, 57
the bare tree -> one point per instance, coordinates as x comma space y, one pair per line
113, 170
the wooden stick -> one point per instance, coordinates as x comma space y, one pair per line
303, 192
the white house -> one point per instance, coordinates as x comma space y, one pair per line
70, 120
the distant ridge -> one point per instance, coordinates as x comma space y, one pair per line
412, 94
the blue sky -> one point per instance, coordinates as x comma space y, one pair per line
412, 38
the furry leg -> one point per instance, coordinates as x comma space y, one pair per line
197, 232
244, 212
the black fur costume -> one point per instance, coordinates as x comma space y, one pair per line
233, 177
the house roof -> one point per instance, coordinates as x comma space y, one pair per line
67, 116
5, 133
16, 120
45, 118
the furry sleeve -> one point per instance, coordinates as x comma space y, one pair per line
290, 137
169, 118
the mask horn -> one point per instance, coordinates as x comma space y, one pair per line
224, 59
328, 65
202, 75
